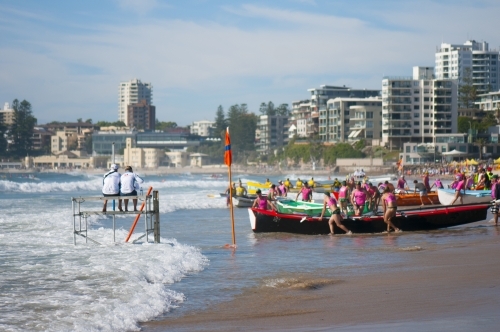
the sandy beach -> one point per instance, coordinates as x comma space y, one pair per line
436, 285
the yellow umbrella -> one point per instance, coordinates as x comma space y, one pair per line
497, 161
473, 162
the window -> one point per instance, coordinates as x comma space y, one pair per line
408, 149
416, 131
416, 107
416, 115
416, 123
416, 99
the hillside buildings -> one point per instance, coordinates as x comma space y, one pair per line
453, 61
415, 109
130, 93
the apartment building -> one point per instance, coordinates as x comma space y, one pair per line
489, 102
6, 115
202, 128
415, 109
132, 92
309, 109
454, 60
271, 133
142, 157
350, 119
141, 116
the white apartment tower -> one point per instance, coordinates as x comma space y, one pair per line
452, 61
132, 92
415, 109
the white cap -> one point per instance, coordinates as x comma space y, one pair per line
114, 167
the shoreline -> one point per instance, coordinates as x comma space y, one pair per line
435, 284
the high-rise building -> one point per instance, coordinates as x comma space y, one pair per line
415, 109
133, 92
141, 116
454, 61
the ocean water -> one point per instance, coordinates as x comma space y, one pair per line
49, 284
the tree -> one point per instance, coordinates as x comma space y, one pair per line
22, 128
88, 144
283, 110
165, 125
88, 121
220, 122
242, 126
72, 143
467, 92
488, 121
3, 139
79, 120
480, 142
340, 150
109, 124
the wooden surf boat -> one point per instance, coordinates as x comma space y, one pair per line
420, 219
446, 196
411, 199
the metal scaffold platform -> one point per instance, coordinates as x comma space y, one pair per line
150, 209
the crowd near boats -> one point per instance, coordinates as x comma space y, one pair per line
362, 204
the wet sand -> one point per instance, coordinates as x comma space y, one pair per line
442, 285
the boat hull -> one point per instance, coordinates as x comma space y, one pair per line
446, 196
411, 199
242, 202
410, 220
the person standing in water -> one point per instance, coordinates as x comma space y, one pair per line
261, 202
422, 191
306, 193
390, 207
336, 218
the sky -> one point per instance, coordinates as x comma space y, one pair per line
67, 58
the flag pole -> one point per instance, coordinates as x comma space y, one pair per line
228, 161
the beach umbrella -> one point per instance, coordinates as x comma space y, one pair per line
497, 161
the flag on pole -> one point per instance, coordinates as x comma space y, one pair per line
228, 157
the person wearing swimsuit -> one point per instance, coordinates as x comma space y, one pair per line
336, 218
358, 199
262, 202
458, 189
343, 197
306, 193
390, 208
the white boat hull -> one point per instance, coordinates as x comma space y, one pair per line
446, 196
242, 202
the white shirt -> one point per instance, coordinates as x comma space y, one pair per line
111, 183
130, 182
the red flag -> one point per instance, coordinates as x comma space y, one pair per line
228, 156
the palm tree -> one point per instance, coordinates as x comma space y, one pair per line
480, 142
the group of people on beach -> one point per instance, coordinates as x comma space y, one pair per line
116, 184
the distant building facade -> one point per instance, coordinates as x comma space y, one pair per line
309, 110
132, 92
415, 109
350, 119
6, 115
454, 60
272, 133
202, 128
141, 116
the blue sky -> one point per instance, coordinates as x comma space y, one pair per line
68, 57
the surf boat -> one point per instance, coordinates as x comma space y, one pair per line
446, 196
412, 198
309, 208
419, 219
